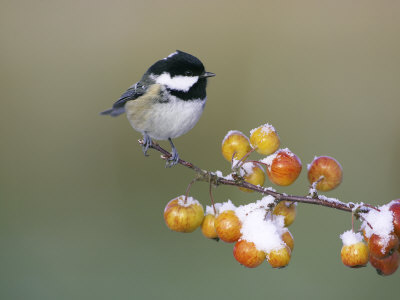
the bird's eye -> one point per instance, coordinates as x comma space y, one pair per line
188, 73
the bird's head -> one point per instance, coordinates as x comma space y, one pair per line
179, 72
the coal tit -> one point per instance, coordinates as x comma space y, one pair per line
167, 102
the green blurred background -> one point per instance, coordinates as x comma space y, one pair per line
81, 209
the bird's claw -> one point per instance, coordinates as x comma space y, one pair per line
173, 160
147, 143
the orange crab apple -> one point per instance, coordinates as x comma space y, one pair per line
228, 226
287, 237
247, 254
284, 168
279, 258
355, 255
326, 171
183, 215
254, 174
235, 145
286, 209
208, 227
265, 139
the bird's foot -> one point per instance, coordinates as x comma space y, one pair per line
174, 159
147, 143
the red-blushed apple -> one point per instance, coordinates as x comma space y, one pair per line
228, 225
329, 169
381, 247
247, 254
385, 266
395, 209
284, 168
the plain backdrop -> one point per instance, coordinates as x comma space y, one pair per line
81, 209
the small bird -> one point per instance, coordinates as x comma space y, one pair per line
167, 102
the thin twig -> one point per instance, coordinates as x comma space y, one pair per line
371, 206
207, 176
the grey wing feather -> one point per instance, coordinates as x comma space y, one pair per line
134, 92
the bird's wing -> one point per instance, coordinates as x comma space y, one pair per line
132, 93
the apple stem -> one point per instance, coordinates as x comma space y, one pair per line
233, 157
212, 198
314, 185
258, 162
243, 159
369, 225
188, 189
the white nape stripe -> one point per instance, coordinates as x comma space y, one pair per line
172, 54
178, 83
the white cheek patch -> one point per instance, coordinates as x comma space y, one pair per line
178, 83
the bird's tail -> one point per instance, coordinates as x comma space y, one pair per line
114, 112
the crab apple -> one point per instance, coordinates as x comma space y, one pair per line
284, 168
355, 255
228, 225
183, 216
235, 145
265, 139
380, 247
254, 174
279, 258
287, 237
286, 209
247, 254
395, 209
208, 227
385, 266
330, 170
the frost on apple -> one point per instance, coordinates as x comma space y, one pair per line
210, 209
261, 228
350, 237
380, 222
228, 205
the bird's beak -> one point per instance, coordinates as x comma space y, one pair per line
207, 74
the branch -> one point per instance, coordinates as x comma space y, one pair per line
238, 181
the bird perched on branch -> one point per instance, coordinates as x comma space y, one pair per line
167, 102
